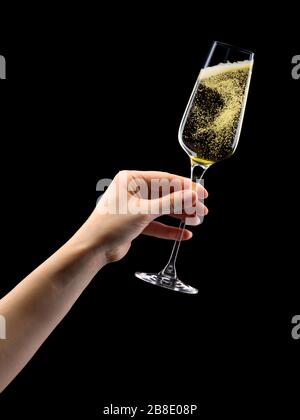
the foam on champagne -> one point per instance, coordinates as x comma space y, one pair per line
213, 124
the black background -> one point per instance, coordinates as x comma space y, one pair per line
89, 96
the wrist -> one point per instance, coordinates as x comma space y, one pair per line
86, 250
88, 243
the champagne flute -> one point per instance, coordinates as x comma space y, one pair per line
210, 130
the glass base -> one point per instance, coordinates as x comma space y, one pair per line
167, 282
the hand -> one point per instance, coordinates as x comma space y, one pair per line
39, 302
124, 211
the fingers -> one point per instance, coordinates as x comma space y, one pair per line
181, 204
200, 210
160, 230
178, 203
169, 194
185, 183
179, 182
195, 218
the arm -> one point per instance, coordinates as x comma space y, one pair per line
39, 302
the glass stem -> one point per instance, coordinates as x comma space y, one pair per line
197, 173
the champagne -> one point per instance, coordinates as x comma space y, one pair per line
214, 115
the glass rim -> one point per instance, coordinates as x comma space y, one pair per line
232, 46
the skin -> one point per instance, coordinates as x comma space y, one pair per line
39, 302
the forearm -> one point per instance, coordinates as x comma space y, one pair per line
37, 304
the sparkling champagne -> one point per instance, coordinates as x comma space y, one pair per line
215, 112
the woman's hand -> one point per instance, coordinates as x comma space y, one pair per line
132, 202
